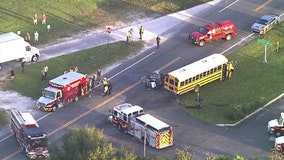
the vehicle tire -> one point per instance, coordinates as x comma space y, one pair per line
34, 58
54, 108
76, 99
228, 37
201, 43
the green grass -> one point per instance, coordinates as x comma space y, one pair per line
252, 85
88, 61
69, 17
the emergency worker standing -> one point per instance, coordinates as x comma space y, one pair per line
107, 86
158, 39
141, 31
128, 36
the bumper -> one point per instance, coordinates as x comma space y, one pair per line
46, 109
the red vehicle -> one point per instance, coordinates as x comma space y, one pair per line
29, 134
63, 90
221, 30
132, 120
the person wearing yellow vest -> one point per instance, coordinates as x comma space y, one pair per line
128, 36
141, 31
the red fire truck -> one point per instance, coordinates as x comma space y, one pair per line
132, 120
63, 90
220, 30
29, 134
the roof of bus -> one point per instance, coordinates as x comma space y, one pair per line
152, 121
198, 67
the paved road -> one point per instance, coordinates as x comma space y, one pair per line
246, 139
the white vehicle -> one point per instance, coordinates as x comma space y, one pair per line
279, 143
131, 119
14, 47
276, 126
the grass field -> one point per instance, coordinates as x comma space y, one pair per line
69, 17
254, 83
87, 61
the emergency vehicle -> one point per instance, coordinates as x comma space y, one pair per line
220, 30
132, 120
31, 137
276, 126
63, 90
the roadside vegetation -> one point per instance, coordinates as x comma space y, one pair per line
89, 143
253, 83
70, 17
88, 61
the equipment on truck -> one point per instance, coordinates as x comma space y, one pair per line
220, 30
14, 47
276, 126
63, 90
132, 120
154, 80
31, 137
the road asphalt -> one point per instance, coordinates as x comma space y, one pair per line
90, 39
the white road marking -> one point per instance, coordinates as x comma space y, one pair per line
228, 6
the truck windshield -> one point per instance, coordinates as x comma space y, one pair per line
203, 30
38, 142
48, 94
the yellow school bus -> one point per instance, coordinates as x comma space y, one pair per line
199, 73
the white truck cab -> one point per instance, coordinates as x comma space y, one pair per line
276, 126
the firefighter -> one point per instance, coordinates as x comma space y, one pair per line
141, 31
107, 86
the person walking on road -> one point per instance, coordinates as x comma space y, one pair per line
158, 39
141, 31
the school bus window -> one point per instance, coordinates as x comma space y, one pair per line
211, 71
208, 72
182, 84
197, 77
215, 69
189, 80
176, 84
204, 74
167, 79
193, 79
171, 81
186, 81
219, 68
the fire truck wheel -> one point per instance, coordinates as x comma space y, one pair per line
54, 108
201, 43
228, 37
